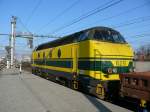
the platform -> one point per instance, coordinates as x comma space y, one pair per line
29, 93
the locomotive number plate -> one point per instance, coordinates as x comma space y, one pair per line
121, 63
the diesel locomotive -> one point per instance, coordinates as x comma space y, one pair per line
89, 60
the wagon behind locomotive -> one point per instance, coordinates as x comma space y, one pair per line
136, 85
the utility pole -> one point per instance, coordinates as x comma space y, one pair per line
12, 40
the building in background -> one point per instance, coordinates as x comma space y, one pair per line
26, 58
143, 53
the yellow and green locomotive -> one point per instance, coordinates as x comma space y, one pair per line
90, 60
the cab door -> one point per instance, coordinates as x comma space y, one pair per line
75, 58
97, 64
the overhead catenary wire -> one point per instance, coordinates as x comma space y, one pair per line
124, 12
84, 16
59, 15
137, 27
33, 12
4, 34
91, 11
23, 25
117, 15
97, 10
139, 35
133, 21
133, 41
29, 33
138, 32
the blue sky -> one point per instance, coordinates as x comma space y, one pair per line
47, 10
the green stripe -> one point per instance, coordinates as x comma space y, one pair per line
64, 64
117, 55
88, 58
59, 59
85, 65
102, 66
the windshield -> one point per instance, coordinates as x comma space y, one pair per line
110, 36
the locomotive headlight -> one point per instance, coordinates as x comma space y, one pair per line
114, 70
109, 70
131, 69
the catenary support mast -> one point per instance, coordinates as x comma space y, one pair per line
12, 40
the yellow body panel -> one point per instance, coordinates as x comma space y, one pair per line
105, 51
100, 75
68, 52
118, 54
53, 68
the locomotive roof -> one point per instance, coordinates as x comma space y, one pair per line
70, 37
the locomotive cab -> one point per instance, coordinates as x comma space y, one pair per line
107, 55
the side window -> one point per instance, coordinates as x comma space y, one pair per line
43, 54
50, 53
127, 80
135, 81
38, 55
59, 53
107, 36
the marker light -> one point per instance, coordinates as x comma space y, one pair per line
114, 70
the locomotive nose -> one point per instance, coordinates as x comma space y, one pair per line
116, 60
114, 50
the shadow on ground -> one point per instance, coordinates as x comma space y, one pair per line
100, 107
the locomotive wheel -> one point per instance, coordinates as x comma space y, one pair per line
100, 92
42, 74
35, 72
39, 73
45, 75
32, 71
73, 84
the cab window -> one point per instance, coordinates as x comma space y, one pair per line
43, 54
109, 36
118, 38
83, 36
98, 36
